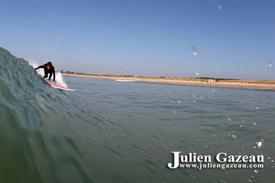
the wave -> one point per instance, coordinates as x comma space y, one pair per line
122, 80
33, 119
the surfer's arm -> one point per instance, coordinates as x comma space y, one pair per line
53, 74
41, 66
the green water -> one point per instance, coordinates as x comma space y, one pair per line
110, 131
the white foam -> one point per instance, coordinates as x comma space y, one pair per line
59, 79
122, 80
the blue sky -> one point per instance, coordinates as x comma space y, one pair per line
189, 38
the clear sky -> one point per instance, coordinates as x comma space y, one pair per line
189, 38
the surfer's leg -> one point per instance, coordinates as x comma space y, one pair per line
46, 75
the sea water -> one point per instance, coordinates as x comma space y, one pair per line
111, 131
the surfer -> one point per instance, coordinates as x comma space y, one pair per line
48, 69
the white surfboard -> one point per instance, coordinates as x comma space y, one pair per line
60, 87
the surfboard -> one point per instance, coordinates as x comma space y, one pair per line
60, 87
55, 85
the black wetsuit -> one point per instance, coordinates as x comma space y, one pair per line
48, 71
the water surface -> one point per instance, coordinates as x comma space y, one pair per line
111, 131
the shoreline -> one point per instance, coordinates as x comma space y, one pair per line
250, 84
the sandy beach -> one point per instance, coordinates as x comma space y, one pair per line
252, 84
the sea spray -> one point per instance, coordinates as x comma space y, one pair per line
59, 79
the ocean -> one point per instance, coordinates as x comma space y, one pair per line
112, 131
